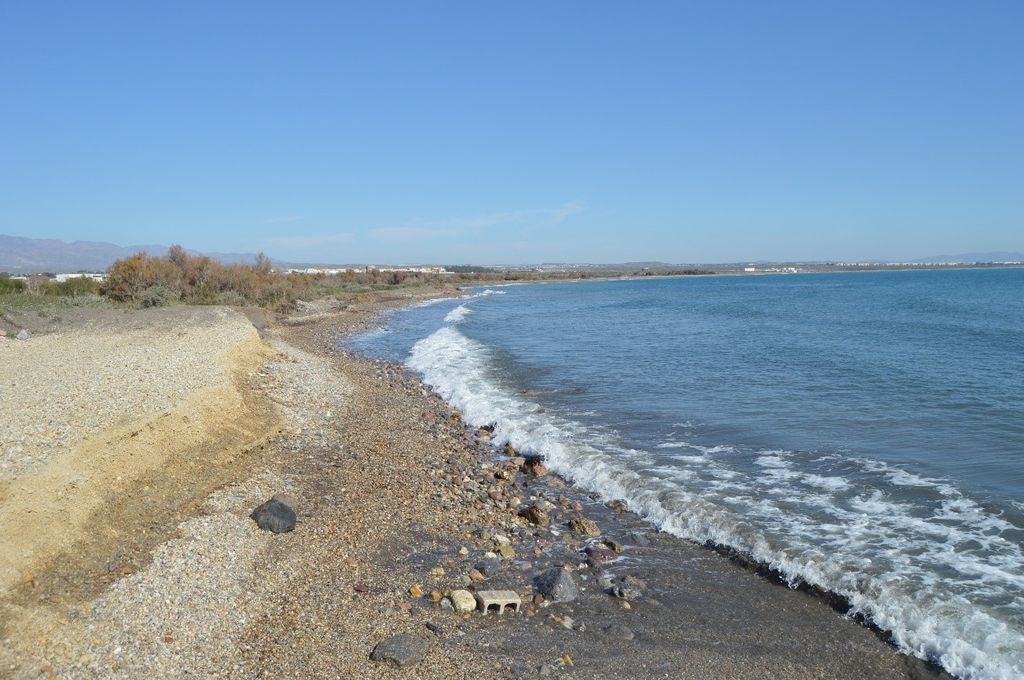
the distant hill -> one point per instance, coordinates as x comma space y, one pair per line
968, 258
27, 255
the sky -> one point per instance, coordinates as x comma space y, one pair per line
515, 132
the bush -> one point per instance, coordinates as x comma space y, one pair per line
8, 285
155, 296
73, 287
230, 298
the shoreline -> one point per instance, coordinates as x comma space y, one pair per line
914, 666
399, 503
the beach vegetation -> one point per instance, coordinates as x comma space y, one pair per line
9, 285
155, 296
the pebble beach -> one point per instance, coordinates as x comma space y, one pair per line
405, 518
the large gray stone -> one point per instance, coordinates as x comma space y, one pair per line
401, 650
274, 516
488, 567
557, 585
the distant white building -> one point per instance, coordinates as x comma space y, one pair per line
61, 278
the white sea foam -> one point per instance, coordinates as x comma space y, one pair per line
458, 314
430, 303
721, 448
940, 576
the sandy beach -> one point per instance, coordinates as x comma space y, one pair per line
141, 442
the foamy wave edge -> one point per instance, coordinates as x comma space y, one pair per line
457, 369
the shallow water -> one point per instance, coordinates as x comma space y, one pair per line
860, 432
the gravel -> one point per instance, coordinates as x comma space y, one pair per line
63, 387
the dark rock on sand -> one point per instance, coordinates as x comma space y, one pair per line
618, 505
628, 588
535, 467
613, 544
534, 514
596, 555
274, 516
557, 585
488, 568
401, 650
584, 526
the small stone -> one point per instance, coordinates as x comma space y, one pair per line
435, 596
584, 526
534, 467
416, 591
535, 515
463, 601
401, 650
22, 334
463, 551
600, 555
361, 588
507, 552
618, 505
476, 576
557, 585
488, 567
613, 545
274, 516
437, 571
628, 588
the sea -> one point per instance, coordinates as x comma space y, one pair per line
861, 432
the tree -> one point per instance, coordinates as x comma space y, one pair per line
263, 265
178, 256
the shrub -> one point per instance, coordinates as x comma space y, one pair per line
230, 298
8, 285
73, 287
155, 296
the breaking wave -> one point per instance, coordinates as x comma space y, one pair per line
458, 314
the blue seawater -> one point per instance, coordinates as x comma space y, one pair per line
860, 432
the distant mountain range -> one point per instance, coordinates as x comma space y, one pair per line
969, 258
26, 255
19, 255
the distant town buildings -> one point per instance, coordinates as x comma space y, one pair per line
93, 276
783, 270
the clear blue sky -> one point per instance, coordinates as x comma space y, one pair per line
517, 131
